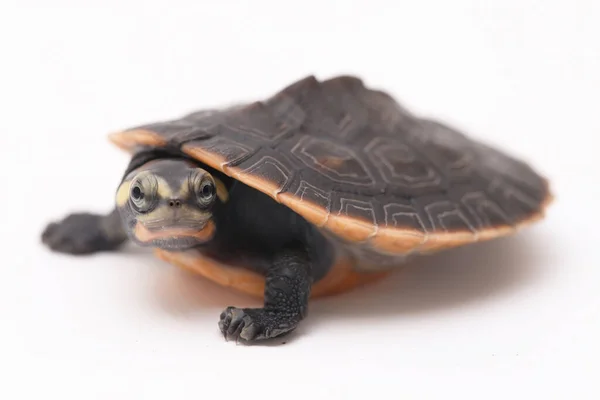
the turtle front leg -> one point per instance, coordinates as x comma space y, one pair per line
287, 289
85, 233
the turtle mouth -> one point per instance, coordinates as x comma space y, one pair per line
175, 237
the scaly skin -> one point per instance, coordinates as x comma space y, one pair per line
286, 249
287, 289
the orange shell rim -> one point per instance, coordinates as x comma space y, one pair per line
391, 241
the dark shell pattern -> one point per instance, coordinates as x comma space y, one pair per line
352, 160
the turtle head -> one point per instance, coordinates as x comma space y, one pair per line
169, 204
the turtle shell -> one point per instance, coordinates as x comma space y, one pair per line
370, 173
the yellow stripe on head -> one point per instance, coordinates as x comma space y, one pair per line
222, 192
122, 196
184, 190
164, 189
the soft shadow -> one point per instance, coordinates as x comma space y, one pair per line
130, 249
444, 281
435, 283
183, 293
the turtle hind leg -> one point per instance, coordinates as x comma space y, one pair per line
287, 290
85, 233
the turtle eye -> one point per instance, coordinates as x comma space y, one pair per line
143, 193
206, 193
204, 188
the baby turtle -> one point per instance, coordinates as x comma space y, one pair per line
322, 187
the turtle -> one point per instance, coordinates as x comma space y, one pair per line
321, 187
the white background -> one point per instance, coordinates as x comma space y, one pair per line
516, 317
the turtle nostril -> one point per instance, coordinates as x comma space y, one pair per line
175, 203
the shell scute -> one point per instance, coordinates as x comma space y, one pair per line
354, 162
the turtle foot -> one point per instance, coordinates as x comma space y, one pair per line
81, 233
254, 324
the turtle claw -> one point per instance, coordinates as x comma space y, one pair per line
232, 322
253, 324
